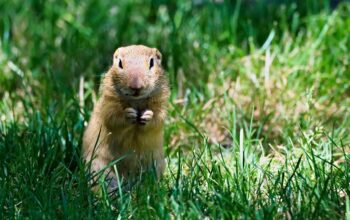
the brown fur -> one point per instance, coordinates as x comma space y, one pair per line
139, 138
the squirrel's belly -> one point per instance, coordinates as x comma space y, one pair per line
136, 139
139, 149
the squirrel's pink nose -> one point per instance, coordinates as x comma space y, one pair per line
135, 84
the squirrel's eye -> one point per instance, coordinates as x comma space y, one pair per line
151, 63
120, 64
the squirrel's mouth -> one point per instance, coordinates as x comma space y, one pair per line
136, 94
133, 94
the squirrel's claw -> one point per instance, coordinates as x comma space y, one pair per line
131, 115
146, 117
142, 118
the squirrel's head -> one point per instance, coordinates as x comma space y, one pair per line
136, 72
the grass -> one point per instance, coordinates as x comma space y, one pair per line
258, 122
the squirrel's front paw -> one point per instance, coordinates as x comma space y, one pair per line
146, 116
131, 115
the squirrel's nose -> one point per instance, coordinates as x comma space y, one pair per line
136, 88
135, 84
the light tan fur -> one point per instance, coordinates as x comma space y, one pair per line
129, 115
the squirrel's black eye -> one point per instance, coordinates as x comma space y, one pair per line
120, 64
151, 63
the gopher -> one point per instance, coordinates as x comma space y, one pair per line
128, 119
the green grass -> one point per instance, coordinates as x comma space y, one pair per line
258, 122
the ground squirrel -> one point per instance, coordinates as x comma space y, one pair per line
129, 115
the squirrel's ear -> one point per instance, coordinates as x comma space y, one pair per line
158, 55
116, 53
115, 56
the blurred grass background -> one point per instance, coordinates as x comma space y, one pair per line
258, 122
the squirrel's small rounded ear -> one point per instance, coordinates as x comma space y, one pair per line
158, 54
115, 56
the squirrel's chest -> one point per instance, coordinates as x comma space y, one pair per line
141, 104
135, 138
